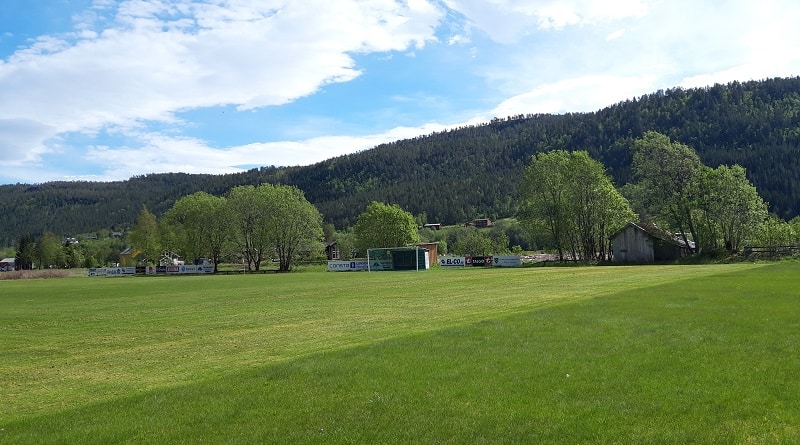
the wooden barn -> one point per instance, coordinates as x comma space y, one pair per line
645, 243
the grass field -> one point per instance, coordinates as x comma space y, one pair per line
629, 355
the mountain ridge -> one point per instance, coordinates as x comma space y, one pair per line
456, 175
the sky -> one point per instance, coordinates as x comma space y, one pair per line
104, 90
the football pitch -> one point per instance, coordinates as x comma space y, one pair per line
574, 355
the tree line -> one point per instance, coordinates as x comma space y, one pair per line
571, 199
455, 176
567, 199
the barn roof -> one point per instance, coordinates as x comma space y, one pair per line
650, 229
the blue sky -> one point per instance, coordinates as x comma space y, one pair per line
105, 90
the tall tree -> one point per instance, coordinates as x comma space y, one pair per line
544, 197
199, 226
146, 237
25, 253
385, 225
250, 208
573, 198
470, 241
774, 232
729, 208
294, 224
49, 251
665, 172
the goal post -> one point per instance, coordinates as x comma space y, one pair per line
397, 258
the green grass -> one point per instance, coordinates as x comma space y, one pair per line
654, 354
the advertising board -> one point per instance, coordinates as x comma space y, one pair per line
507, 261
480, 261
452, 261
112, 271
381, 264
347, 266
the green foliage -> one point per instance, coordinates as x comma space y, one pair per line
25, 253
795, 225
774, 232
730, 209
249, 206
256, 222
385, 225
49, 252
346, 243
146, 237
199, 226
571, 197
73, 256
297, 226
470, 241
666, 172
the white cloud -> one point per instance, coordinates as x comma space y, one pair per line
584, 94
22, 141
507, 21
163, 153
615, 35
161, 57
130, 69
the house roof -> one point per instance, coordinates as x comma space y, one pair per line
650, 229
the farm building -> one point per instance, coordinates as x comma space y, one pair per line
7, 264
645, 243
433, 251
481, 222
332, 250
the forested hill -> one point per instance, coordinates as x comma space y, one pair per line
458, 175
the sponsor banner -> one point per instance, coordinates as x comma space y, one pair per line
194, 269
381, 265
480, 261
452, 261
347, 266
112, 271
151, 270
507, 260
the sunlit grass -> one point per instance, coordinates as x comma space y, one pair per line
672, 354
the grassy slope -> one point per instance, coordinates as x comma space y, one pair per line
669, 354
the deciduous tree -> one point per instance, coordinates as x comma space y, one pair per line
296, 225
573, 199
665, 172
25, 253
145, 236
199, 226
250, 208
385, 225
729, 209
49, 251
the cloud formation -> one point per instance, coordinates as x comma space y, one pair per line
122, 91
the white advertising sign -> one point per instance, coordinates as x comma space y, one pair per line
507, 260
452, 261
381, 265
112, 271
190, 268
347, 266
